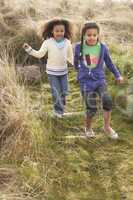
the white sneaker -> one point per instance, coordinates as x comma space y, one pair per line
89, 133
112, 134
56, 114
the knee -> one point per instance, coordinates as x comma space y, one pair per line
107, 102
91, 112
91, 109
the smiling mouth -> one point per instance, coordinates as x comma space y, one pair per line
91, 41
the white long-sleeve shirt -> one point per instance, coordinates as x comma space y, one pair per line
57, 57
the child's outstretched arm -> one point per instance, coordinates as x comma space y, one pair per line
112, 67
38, 54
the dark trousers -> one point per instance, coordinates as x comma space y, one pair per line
90, 100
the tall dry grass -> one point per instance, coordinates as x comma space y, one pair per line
22, 21
19, 130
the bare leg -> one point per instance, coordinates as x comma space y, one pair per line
107, 119
88, 122
107, 128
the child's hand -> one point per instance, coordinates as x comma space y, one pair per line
26, 46
120, 80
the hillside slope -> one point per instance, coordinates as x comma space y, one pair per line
42, 157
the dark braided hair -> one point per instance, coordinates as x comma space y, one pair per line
48, 28
88, 25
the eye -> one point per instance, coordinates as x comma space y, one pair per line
89, 35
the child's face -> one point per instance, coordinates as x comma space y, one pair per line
58, 32
91, 36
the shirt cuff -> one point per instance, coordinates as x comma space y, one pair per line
118, 76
